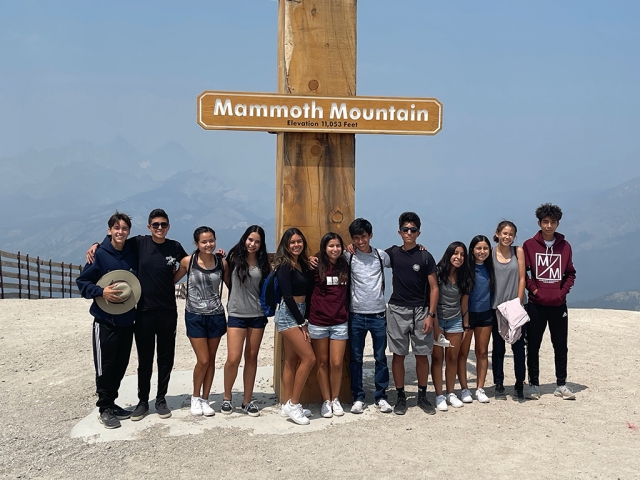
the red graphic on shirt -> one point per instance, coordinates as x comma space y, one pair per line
548, 267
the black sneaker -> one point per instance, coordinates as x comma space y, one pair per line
251, 410
500, 391
108, 419
226, 407
162, 409
140, 411
425, 405
519, 394
120, 413
401, 406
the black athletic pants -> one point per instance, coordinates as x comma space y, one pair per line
111, 352
498, 352
558, 320
152, 324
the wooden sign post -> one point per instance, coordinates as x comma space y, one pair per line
316, 116
315, 172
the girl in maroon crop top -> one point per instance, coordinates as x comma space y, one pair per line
328, 320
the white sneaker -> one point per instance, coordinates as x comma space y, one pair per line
564, 392
307, 413
441, 403
325, 409
207, 411
465, 395
337, 407
454, 401
296, 413
532, 392
196, 406
442, 341
357, 407
384, 406
481, 396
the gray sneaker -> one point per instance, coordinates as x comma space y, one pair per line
426, 405
564, 392
532, 392
108, 419
140, 411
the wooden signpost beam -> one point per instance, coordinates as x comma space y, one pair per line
315, 172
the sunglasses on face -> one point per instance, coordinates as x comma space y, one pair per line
158, 225
409, 229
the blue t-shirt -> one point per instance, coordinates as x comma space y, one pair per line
480, 296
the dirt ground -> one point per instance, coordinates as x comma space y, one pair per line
47, 387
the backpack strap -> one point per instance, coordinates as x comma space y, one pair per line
193, 259
381, 267
427, 287
219, 259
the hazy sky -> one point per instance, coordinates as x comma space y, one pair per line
540, 98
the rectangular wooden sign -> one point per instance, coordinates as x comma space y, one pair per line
274, 112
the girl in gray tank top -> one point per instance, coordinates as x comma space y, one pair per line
204, 287
204, 313
509, 280
248, 268
454, 282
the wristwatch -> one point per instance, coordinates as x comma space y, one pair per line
431, 314
306, 322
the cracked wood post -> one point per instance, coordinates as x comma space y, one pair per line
315, 172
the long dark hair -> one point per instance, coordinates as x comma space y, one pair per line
487, 263
463, 277
283, 254
341, 265
237, 258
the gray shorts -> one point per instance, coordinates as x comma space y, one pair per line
404, 324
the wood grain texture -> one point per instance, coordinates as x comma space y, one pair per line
315, 173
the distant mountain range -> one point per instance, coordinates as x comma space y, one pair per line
614, 301
54, 203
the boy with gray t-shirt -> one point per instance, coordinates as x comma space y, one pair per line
367, 313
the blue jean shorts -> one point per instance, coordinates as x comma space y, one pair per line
205, 326
334, 332
250, 322
284, 319
451, 326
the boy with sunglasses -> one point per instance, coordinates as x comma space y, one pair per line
157, 318
411, 313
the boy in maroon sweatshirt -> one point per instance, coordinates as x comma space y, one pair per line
550, 276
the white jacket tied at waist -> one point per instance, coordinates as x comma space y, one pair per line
511, 317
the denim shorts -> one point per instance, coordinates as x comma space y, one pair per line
284, 319
250, 322
451, 326
205, 326
333, 332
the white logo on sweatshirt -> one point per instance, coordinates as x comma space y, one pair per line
170, 260
548, 267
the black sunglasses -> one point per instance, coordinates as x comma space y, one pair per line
409, 229
157, 225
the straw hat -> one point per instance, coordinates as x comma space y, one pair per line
130, 289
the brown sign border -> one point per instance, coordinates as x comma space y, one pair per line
318, 129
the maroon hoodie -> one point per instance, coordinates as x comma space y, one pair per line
550, 270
